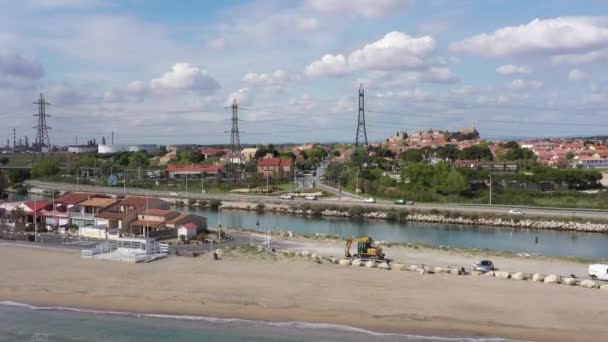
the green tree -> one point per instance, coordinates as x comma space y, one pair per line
476, 152
16, 176
570, 156
447, 152
419, 175
456, 183
2, 184
139, 158
18, 214
45, 168
359, 156
411, 156
196, 156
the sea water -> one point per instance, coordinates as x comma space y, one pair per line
20, 322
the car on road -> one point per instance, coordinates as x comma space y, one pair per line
286, 197
173, 194
484, 266
370, 200
403, 202
310, 197
515, 212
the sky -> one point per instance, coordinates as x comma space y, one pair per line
166, 72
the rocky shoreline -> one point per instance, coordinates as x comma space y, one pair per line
410, 215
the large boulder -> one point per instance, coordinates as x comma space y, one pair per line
454, 271
438, 269
502, 274
590, 284
384, 266
538, 277
476, 273
397, 266
317, 260
551, 279
604, 287
332, 260
519, 276
413, 268
371, 264
314, 255
489, 274
569, 281
357, 262
344, 262
305, 253
421, 270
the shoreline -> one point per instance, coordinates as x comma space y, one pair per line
301, 291
221, 320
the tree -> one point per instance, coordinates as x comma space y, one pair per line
476, 152
456, 183
138, 159
4, 161
359, 156
2, 184
18, 214
45, 168
16, 176
570, 156
420, 175
196, 156
411, 156
511, 144
447, 152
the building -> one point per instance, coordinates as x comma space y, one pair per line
584, 162
194, 171
274, 166
109, 149
84, 213
215, 152
248, 154
123, 213
59, 215
164, 223
187, 230
78, 149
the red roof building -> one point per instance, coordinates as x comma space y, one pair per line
274, 166
194, 171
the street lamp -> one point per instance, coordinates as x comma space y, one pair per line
219, 218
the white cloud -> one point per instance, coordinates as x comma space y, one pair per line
557, 36
137, 88
307, 24
217, 44
18, 66
520, 85
598, 56
577, 75
304, 102
278, 77
242, 96
375, 8
395, 51
511, 69
184, 76
76, 4
328, 65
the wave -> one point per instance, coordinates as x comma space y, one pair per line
292, 324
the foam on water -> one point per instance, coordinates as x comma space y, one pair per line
294, 324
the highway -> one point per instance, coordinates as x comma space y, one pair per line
347, 200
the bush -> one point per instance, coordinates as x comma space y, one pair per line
215, 204
260, 207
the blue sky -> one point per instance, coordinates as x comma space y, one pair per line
163, 72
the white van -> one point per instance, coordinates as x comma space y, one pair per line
598, 271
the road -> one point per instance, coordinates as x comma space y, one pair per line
347, 200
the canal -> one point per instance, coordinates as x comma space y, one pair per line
550, 242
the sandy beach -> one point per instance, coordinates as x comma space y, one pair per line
299, 290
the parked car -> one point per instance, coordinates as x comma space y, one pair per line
370, 200
403, 202
173, 194
484, 266
515, 212
598, 271
311, 197
286, 197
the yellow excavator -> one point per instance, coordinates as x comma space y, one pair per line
365, 250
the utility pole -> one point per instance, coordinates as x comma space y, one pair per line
490, 189
235, 140
42, 133
202, 182
361, 137
266, 182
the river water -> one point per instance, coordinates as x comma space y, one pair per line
550, 243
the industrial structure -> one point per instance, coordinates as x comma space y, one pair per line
42, 142
361, 129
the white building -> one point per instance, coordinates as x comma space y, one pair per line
108, 149
590, 162
77, 149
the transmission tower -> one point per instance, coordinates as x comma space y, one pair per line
361, 130
235, 140
42, 135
